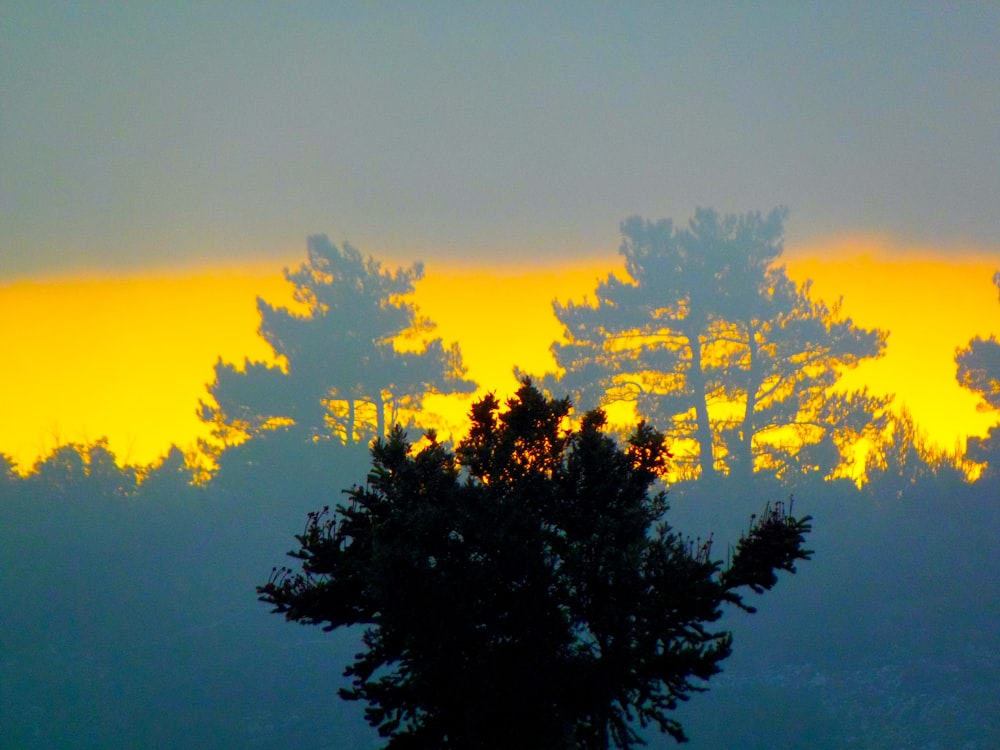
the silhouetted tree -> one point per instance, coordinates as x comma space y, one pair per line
903, 458
76, 470
526, 590
103, 469
168, 477
62, 471
354, 361
8, 471
710, 338
979, 371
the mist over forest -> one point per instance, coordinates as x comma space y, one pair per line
130, 613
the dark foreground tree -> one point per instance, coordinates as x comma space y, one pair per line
526, 590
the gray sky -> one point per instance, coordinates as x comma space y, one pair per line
148, 134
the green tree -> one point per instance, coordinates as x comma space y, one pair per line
710, 338
979, 371
524, 591
357, 359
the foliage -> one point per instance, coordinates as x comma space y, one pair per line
126, 617
357, 359
979, 371
711, 338
8, 470
903, 457
979, 366
524, 591
72, 467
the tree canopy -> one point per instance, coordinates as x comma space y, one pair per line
524, 590
711, 340
357, 358
979, 371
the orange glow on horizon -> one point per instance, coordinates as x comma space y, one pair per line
129, 357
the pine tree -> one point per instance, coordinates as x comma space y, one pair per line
525, 590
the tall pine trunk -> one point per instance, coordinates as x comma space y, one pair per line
744, 448
703, 430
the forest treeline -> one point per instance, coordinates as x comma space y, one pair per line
128, 614
707, 338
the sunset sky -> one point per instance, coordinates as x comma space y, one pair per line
128, 357
161, 162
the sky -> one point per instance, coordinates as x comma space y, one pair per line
151, 134
170, 140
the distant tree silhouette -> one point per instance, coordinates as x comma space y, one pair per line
979, 371
103, 468
75, 469
168, 477
62, 470
526, 590
345, 371
903, 458
712, 340
8, 472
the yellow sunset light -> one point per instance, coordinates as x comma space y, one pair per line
930, 306
129, 357
122, 357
